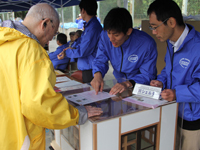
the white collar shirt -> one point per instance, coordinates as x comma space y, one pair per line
178, 43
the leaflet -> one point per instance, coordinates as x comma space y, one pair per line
88, 97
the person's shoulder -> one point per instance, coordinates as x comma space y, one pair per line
62, 46
95, 22
93, 29
97, 28
142, 35
35, 51
197, 36
195, 40
104, 36
104, 33
66, 45
193, 34
32, 43
140, 32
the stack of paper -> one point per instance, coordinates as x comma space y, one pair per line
74, 89
62, 79
66, 84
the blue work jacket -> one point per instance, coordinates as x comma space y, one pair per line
87, 49
59, 64
75, 45
182, 73
134, 60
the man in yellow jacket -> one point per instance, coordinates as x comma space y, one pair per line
28, 102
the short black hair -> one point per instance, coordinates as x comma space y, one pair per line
118, 19
79, 32
165, 9
62, 38
90, 6
72, 33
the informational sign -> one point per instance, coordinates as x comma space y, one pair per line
147, 91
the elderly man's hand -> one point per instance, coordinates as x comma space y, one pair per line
93, 111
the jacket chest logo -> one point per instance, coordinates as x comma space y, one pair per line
133, 58
184, 62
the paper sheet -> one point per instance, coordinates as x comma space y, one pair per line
88, 97
145, 101
62, 79
65, 84
80, 86
75, 87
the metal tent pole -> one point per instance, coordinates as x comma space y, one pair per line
184, 7
74, 13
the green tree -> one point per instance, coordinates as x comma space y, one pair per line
193, 7
107, 5
20, 14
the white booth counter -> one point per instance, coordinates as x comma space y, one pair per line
122, 126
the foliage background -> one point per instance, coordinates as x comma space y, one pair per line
140, 8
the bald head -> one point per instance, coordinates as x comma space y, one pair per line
42, 20
41, 11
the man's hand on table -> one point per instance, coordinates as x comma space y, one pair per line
156, 83
97, 83
168, 94
93, 111
120, 87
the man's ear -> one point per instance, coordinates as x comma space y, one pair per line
58, 42
83, 11
129, 31
171, 22
44, 23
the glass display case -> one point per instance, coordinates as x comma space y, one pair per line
122, 125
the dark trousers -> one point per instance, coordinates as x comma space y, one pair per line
87, 76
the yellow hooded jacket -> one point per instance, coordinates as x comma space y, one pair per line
28, 102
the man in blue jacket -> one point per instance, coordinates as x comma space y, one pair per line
87, 49
180, 78
75, 44
131, 52
62, 43
80, 22
77, 40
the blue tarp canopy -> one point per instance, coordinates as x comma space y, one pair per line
21, 5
